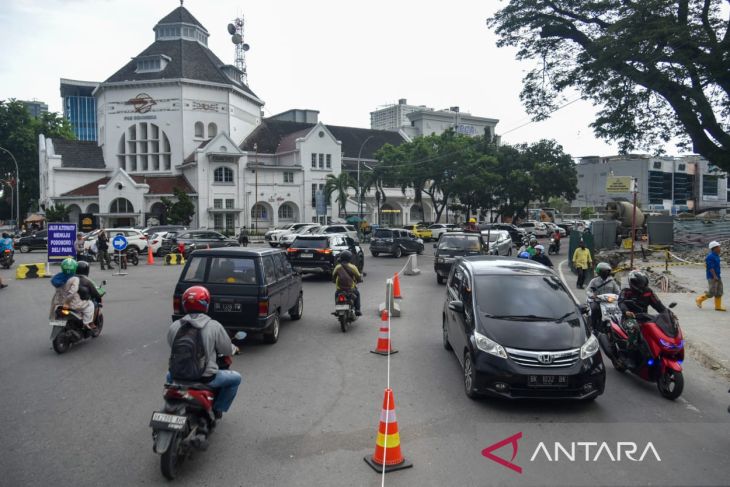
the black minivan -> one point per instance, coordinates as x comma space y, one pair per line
394, 241
518, 332
250, 288
453, 245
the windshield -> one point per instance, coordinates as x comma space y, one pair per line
494, 236
383, 234
525, 297
310, 243
467, 243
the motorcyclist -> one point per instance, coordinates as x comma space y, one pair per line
530, 249
634, 301
556, 239
541, 257
79, 245
6, 243
215, 340
69, 293
86, 285
603, 283
523, 255
346, 276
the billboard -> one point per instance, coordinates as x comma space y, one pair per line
61, 241
619, 184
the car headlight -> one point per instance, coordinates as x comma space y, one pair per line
490, 346
441, 260
589, 348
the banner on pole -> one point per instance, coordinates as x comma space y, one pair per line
61, 241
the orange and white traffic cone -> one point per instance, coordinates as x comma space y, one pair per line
383, 346
396, 287
388, 456
150, 257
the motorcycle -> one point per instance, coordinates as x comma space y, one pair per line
186, 421
68, 327
554, 247
7, 258
345, 309
658, 353
131, 255
87, 255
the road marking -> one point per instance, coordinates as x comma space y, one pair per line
689, 405
130, 351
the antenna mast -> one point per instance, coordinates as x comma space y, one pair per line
236, 29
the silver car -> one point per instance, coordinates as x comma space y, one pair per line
500, 243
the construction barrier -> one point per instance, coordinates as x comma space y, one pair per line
411, 268
388, 456
383, 347
392, 308
396, 287
31, 271
174, 259
150, 257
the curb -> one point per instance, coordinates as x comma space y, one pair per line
699, 351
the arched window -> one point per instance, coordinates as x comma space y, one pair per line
144, 147
199, 127
121, 205
223, 175
259, 212
286, 212
212, 130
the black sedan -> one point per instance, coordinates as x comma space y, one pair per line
518, 333
35, 241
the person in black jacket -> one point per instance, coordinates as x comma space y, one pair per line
102, 245
541, 257
87, 288
634, 302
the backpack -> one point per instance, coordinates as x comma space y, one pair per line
188, 358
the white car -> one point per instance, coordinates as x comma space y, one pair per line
155, 241
273, 237
135, 238
500, 242
309, 229
438, 229
348, 230
536, 228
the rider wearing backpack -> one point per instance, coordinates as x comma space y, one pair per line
196, 340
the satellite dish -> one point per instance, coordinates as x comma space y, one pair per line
236, 39
246, 47
231, 29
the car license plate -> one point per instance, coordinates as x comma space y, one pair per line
57, 323
227, 307
306, 256
342, 307
167, 421
547, 381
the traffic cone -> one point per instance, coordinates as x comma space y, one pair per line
150, 257
384, 315
383, 345
396, 287
388, 456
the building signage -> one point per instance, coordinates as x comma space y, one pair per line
61, 240
87, 222
619, 184
142, 103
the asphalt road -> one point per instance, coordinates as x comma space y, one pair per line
307, 412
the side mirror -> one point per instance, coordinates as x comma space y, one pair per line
672, 305
584, 309
457, 306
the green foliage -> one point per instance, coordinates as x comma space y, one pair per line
19, 134
57, 213
657, 68
338, 186
586, 213
178, 212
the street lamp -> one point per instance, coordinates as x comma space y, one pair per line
17, 188
359, 188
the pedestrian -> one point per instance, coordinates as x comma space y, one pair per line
102, 244
243, 237
582, 261
714, 282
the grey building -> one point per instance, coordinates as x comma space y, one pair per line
35, 107
394, 117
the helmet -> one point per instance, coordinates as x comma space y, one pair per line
524, 255
68, 266
5, 235
712, 245
196, 299
346, 256
82, 268
540, 248
472, 220
603, 269
638, 281
533, 241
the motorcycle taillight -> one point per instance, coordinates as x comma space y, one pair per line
171, 393
341, 298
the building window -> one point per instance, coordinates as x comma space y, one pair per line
709, 185
121, 205
288, 177
230, 223
329, 161
259, 212
223, 175
148, 65
321, 161
218, 204
230, 204
218, 222
314, 195
212, 130
199, 130
286, 212
314, 160
144, 147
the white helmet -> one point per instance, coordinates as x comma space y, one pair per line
714, 244
540, 247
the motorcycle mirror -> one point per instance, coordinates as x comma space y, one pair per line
240, 335
364, 274
584, 308
672, 305
103, 283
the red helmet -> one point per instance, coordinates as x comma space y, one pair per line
196, 300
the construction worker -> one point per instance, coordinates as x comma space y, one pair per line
471, 226
582, 261
714, 282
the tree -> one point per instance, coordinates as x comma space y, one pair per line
178, 212
658, 69
57, 213
339, 185
19, 134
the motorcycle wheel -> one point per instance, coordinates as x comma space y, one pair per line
60, 343
99, 326
134, 259
671, 384
343, 323
170, 459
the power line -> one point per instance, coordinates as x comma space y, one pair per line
549, 113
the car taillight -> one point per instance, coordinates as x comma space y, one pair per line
177, 305
324, 251
292, 251
142, 237
263, 309
154, 242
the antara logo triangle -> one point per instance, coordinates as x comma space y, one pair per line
487, 452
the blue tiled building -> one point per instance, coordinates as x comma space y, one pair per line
79, 107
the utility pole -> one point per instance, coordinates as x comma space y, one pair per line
256, 188
633, 222
17, 188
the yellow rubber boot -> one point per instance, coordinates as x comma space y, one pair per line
701, 299
718, 305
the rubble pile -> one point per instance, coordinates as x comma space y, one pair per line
696, 253
614, 257
664, 282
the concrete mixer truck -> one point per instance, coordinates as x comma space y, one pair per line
622, 211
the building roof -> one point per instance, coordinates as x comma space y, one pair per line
79, 153
272, 136
180, 15
159, 185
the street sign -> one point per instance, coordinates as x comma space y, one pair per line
619, 184
61, 239
119, 242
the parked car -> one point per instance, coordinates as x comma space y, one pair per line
319, 253
348, 230
518, 332
149, 231
35, 241
155, 241
438, 229
136, 240
272, 237
201, 239
500, 243
395, 242
450, 247
516, 233
536, 228
424, 233
552, 227
250, 288
310, 229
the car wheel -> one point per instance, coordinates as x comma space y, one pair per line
24, 249
296, 312
445, 335
469, 377
439, 279
273, 335
374, 254
398, 253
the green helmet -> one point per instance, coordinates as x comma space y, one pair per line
68, 266
603, 269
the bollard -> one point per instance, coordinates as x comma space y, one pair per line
389, 305
412, 266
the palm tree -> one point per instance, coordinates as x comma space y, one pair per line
339, 185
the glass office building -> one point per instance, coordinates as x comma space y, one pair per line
79, 107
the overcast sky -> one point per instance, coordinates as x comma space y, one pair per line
341, 57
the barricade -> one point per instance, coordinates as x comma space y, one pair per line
388, 456
389, 305
174, 259
411, 268
31, 271
396, 287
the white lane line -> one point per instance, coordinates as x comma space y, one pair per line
131, 351
688, 405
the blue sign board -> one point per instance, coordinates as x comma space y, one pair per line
119, 242
61, 241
